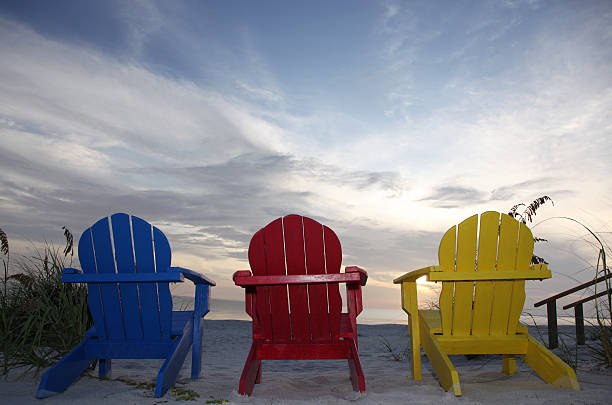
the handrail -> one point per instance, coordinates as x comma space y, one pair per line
572, 290
592, 297
551, 310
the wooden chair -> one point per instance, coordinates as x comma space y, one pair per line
483, 271
294, 299
131, 306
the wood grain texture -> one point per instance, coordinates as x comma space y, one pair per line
446, 256
487, 257
302, 256
126, 264
317, 293
498, 268
506, 260
296, 265
467, 234
145, 263
124, 258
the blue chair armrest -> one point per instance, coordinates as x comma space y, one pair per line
194, 276
76, 276
202, 292
70, 270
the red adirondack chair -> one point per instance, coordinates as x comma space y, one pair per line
294, 299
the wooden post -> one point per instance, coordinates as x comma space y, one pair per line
551, 312
579, 316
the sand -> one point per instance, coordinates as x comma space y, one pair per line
388, 380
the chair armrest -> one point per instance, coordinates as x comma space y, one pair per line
70, 270
501, 275
435, 273
201, 305
353, 294
413, 275
244, 279
194, 276
175, 274
77, 276
241, 273
363, 275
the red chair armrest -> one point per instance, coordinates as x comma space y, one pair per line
240, 274
246, 279
362, 273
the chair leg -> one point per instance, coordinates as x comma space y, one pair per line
415, 345
258, 379
104, 368
357, 376
251, 372
66, 371
509, 364
549, 367
196, 349
171, 367
446, 372
410, 305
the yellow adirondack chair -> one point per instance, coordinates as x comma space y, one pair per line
483, 292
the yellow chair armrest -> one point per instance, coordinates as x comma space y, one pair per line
413, 275
531, 274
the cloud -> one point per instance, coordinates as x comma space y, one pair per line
455, 196
258, 93
85, 135
142, 19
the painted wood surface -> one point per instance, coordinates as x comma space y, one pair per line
292, 294
484, 262
126, 265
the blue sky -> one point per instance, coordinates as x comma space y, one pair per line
389, 121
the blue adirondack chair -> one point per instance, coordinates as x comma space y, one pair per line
131, 306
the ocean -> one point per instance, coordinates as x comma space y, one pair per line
235, 310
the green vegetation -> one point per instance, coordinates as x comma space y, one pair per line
41, 318
182, 394
601, 343
397, 356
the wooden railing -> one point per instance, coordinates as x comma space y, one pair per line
551, 310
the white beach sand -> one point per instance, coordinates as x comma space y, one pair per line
388, 381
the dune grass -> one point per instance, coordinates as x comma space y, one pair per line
41, 318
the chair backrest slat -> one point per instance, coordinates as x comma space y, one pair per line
487, 258
466, 262
523, 260
124, 258
94, 295
446, 256
275, 261
506, 260
162, 262
317, 293
333, 261
145, 263
296, 265
262, 322
105, 263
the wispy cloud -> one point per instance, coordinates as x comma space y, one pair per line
258, 93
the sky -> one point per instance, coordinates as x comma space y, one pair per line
388, 121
